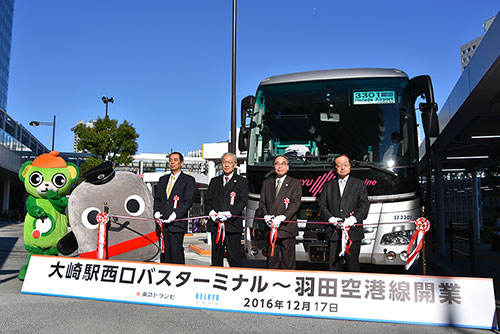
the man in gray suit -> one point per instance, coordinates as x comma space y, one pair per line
226, 198
279, 201
344, 201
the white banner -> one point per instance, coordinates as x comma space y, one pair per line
428, 300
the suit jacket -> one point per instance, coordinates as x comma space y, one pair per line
269, 205
354, 200
184, 188
218, 198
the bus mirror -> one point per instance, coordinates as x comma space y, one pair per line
422, 86
243, 139
329, 117
246, 108
430, 121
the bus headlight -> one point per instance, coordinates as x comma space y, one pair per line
397, 238
390, 255
369, 229
403, 256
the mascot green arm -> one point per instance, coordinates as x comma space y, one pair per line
33, 209
58, 202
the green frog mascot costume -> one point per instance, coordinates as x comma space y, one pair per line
47, 180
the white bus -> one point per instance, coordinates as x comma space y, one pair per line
312, 117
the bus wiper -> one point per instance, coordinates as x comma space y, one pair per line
380, 169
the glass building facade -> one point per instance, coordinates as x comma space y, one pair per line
6, 16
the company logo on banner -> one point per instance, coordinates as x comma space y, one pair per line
464, 302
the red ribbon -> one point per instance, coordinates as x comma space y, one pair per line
221, 233
422, 225
233, 195
126, 246
162, 241
345, 232
273, 237
102, 234
286, 201
176, 199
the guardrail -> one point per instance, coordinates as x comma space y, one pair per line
453, 227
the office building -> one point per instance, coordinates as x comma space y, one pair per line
468, 50
6, 16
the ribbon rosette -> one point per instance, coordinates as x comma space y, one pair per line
422, 225
233, 195
286, 201
102, 233
176, 199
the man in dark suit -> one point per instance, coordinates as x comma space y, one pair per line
226, 198
344, 201
173, 198
280, 200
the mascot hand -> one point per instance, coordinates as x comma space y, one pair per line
40, 212
58, 202
51, 194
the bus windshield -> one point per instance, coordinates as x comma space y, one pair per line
313, 121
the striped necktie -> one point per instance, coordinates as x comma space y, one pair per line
170, 185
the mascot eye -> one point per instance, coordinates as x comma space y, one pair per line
36, 179
134, 205
59, 180
89, 217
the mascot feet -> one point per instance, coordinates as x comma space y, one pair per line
22, 272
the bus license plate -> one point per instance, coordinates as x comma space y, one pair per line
318, 254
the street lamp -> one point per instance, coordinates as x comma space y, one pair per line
106, 100
53, 124
232, 148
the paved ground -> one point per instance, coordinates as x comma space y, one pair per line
21, 313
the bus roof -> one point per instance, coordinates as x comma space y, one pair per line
349, 73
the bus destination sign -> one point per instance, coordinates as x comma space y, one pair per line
374, 97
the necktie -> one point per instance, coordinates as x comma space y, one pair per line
341, 186
170, 185
278, 184
226, 180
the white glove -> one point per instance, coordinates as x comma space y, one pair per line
158, 215
268, 219
171, 218
221, 217
334, 220
226, 215
213, 215
277, 220
349, 221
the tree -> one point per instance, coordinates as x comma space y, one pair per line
107, 140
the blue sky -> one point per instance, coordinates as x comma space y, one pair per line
167, 63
